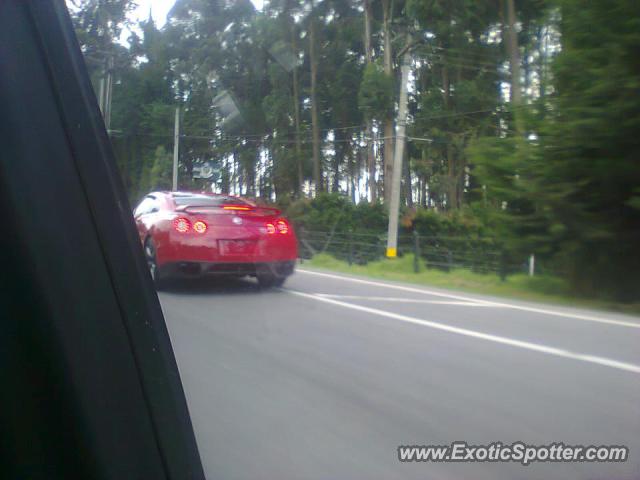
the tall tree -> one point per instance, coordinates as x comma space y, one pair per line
592, 170
511, 36
389, 132
296, 103
368, 52
315, 121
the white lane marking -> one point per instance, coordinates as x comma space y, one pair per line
424, 291
402, 300
536, 347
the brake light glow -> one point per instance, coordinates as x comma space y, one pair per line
182, 225
271, 229
282, 226
236, 207
199, 226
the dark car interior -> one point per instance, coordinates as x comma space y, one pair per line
90, 386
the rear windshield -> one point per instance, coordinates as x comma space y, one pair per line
208, 201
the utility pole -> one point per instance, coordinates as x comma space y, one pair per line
107, 114
394, 208
106, 90
176, 149
103, 82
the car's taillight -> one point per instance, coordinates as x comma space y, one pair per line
199, 226
271, 229
282, 226
243, 208
182, 225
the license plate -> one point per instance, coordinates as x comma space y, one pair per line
236, 247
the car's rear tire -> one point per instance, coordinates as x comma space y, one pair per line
150, 256
270, 280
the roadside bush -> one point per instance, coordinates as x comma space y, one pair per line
333, 212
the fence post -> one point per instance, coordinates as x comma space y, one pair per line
532, 265
350, 241
503, 265
416, 251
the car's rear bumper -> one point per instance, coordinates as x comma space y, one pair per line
245, 250
200, 269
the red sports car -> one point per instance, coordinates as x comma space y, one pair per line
195, 234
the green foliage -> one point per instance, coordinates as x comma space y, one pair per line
161, 172
99, 22
333, 212
508, 193
562, 182
375, 97
593, 148
569, 193
451, 224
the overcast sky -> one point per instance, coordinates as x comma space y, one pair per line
160, 8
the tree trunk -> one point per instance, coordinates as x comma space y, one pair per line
371, 159
267, 178
452, 195
407, 179
542, 51
226, 177
250, 174
511, 37
237, 168
315, 127
526, 65
368, 15
296, 109
423, 185
371, 164
512, 49
354, 167
461, 177
338, 159
388, 121
451, 170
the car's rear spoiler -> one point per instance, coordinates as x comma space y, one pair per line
236, 208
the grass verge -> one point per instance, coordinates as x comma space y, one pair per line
538, 288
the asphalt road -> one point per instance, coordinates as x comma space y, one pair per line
325, 378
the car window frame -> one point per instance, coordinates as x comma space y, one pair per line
154, 206
92, 336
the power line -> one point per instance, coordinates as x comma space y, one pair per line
485, 69
260, 137
270, 133
362, 127
276, 142
269, 136
458, 114
462, 59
